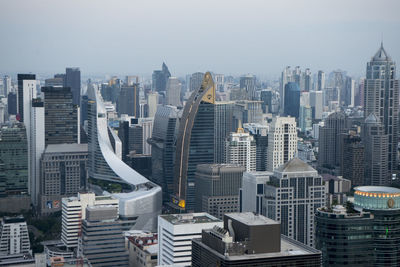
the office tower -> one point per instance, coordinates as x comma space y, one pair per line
305, 118
353, 163
160, 78
152, 102
329, 141
131, 137
266, 98
73, 81
348, 94
381, 97
14, 170
252, 191
6, 85
240, 148
376, 157
344, 236
260, 135
300, 183
336, 189
74, 211
166, 124
36, 147
102, 240
140, 163
282, 142
143, 249
331, 94
83, 109
242, 242
321, 81
12, 103
26, 91
180, 230
317, 104
223, 127
105, 165
63, 174
195, 141
147, 131
128, 101
14, 237
359, 101
307, 80
338, 85
286, 77
131, 79
219, 80
174, 92
248, 84
247, 111
61, 116
217, 188
292, 99
196, 80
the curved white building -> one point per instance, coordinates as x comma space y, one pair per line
139, 199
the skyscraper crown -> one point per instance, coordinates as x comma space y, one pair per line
381, 55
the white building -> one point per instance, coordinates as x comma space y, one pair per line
175, 234
292, 195
14, 237
74, 211
174, 92
240, 148
252, 191
147, 126
282, 142
152, 102
317, 104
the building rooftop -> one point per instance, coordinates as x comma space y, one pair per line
250, 218
295, 165
189, 218
377, 189
67, 148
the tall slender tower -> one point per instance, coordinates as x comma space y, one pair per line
195, 142
381, 97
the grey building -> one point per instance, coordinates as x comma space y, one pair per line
174, 92
252, 191
63, 174
352, 164
223, 127
292, 195
14, 237
102, 240
248, 84
196, 80
26, 91
242, 242
160, 78
336, 189
128, 101
381, 97
217, 188
61, 116
73, 81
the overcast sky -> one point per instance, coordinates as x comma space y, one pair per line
231, 37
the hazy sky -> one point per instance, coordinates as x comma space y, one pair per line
231, 37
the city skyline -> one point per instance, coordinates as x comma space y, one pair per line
263, 37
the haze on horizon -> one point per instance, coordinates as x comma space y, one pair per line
231, 37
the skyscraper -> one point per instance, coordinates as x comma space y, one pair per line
160, 78
152, 103
174, 92
128, 101
6, 85
307, 80
196, 80
381, 97
61, 116
317, 104
240, 148
26, 91
248, 84
321, 81
195, 141
292, 99
282, 142
353, 163
73, 81
223, 127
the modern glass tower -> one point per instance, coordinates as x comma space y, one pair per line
195, 142
292, 99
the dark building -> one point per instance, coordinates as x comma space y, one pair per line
160, 78
128, 101
344, 237
84, 108
292, 100
12, 103
195, 142
352, 164
73, 81
250, 240
162, 141
217, 188
21, 95
266, 98
140, 163
61, 116
223, 127
131, 135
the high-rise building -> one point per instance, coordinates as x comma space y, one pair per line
14, 236
36, 147
196, 80
195, 141
242, 242
143, 249
252, 191
128, 101
248, 84
306, 79
102, 240
174, 92
344, 236
217, 188
321, 81
317, 104
6, 85
376, 157
12, 103
260, 135
381, 97
329, 139
26, 92
338, 85
336, 189
282, 142
162, 141
139, 198
152, 103
74, 211
286, 77
353, 163
63, 174
223, 127
292, 99
219, 80
292, 195
175, 234
160, 78
247, 111
348, 93
240, 148
62, 116
73, 81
